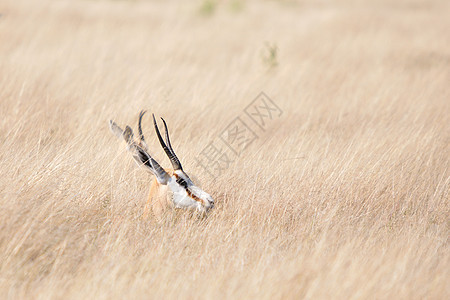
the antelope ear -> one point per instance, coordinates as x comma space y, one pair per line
144, 159
140, 155
128, 135
115, 129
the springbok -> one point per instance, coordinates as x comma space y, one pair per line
170, 187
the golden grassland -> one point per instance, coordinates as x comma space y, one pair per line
344, 196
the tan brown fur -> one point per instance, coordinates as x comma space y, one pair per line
158, 200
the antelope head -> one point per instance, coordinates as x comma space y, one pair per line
185, 193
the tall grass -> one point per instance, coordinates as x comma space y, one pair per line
344, 196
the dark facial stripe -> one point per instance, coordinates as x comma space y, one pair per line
180, 181
194, 197
183, 183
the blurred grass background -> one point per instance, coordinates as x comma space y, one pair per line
345, 196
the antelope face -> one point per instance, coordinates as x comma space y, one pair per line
187, 195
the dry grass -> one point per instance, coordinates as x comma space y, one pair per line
344, 196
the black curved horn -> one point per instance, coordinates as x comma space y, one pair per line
167, 148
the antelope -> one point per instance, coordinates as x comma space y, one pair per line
170, 187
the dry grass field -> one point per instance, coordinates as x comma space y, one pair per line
345, 195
